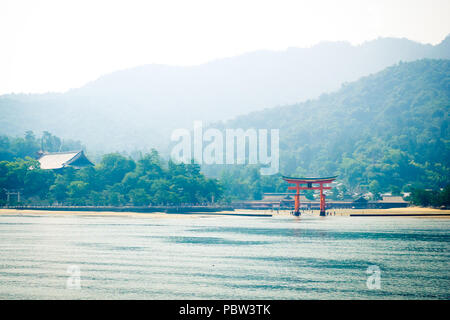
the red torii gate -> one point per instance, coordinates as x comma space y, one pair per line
309, 182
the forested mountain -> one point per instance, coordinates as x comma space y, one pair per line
384, 132
138, 108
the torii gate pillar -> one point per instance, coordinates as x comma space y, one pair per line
309, 186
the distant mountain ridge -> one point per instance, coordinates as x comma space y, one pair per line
139, 107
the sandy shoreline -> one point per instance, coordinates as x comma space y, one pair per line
397, 212
86, 213
256, 213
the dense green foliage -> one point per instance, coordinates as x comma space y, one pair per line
386, 132
431, 198
242, 182
116, 180
19, 147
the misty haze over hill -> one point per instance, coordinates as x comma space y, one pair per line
139, 107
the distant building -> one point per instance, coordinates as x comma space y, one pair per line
59, 160
392, 199
274, 200
368, 195
277, 197
286, 201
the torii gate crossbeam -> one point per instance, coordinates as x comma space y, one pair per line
309, 186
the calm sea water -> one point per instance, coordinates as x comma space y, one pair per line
222, 257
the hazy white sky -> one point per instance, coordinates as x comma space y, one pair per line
57, 45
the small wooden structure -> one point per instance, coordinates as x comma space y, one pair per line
309, 182
11, 192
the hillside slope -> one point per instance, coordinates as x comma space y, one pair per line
386, 130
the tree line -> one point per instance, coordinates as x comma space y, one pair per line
149, 180
431, 198
115, 180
